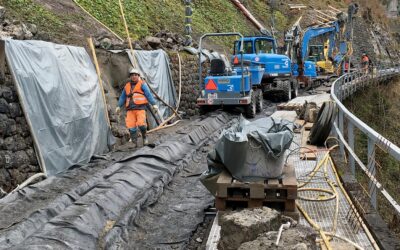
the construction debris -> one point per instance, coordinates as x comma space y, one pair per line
258, 229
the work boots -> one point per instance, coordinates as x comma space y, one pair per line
143, 131
134, 138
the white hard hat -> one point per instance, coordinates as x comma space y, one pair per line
134, 71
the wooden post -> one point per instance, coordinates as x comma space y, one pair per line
90, 41
126, 25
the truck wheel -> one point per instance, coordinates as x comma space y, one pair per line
286, 90
250, 109
204, 109
295, 90
259, 100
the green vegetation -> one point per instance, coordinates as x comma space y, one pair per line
379, 107
32, 12
148, 17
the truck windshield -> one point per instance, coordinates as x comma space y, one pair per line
264, 46
248, 47
316, 53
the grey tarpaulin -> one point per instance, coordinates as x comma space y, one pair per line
59, 89
254, 150
154, 65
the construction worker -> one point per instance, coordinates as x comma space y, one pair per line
365, 63
136, 96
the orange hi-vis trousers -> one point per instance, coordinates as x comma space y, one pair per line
135, 118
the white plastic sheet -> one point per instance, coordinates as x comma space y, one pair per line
154, 65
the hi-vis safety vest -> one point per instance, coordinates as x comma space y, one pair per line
136, 95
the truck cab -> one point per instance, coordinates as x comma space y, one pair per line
277, 77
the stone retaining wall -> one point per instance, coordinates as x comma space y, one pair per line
190, 81
17, 156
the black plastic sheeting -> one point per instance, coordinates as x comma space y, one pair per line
92, 207
170, 223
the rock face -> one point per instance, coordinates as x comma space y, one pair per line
15, 29
17, 156
376, 42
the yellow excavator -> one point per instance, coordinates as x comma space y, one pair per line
326, 65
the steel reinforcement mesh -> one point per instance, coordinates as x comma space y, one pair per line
323, 212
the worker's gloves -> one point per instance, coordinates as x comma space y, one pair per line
118, 110
155, 107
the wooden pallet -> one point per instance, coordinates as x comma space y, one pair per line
289, 106
279, 193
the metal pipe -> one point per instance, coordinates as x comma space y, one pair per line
371, 167
350, 135
251, 18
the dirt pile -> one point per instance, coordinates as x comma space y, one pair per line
257, 229
295, 238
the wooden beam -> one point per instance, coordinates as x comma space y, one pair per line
328, 16
324, 19
333, 8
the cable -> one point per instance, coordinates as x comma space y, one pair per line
327, 160
321, 129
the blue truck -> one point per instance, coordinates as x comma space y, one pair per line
278, 77
238, 86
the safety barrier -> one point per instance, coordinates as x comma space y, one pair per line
342, 88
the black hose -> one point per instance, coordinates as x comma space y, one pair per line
322, 127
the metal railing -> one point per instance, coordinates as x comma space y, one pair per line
342, 88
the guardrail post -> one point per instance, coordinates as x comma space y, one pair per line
350, 135
372, 169
340, 123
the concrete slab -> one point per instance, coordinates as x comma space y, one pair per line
284, 114
318, 99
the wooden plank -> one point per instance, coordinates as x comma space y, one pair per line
337, 11
308, 125
273, 182
255, 203
223, 182
225, 177
301, 122
220, 204
257, 190
326, 15
308, 156
289, 179
307, 150
290, 205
